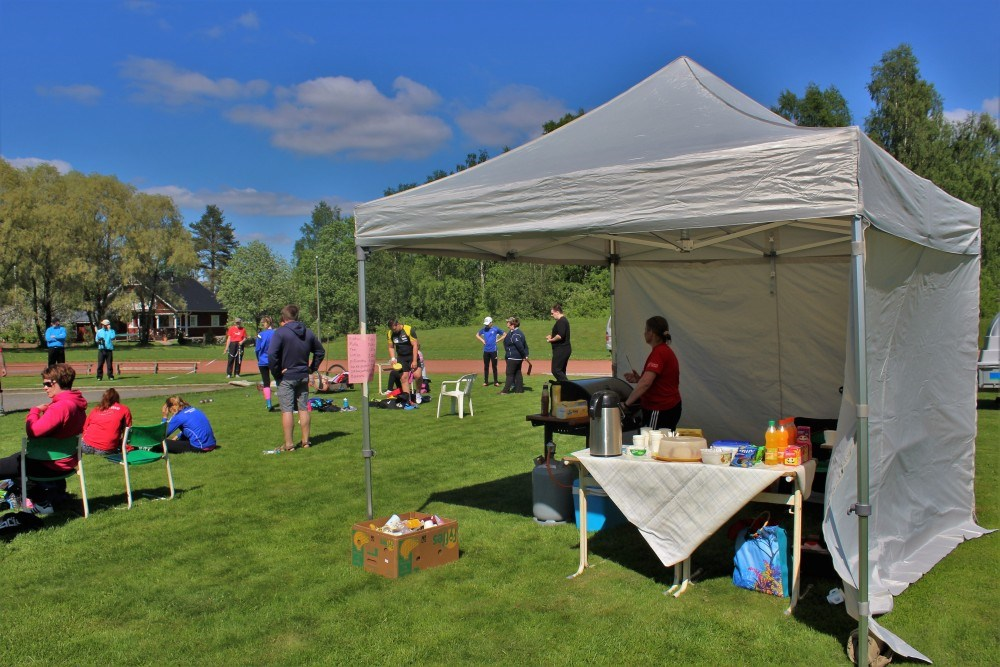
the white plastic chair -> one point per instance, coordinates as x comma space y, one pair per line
458, 390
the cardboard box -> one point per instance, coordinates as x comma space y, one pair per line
394, 556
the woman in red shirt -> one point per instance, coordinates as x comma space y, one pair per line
658, 388
105, 426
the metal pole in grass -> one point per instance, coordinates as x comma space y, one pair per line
863, 507
366, 450
319, 334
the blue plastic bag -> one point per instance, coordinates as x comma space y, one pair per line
762, 560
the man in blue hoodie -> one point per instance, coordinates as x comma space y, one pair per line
55, 340
288, 358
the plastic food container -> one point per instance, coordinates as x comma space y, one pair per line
711, 456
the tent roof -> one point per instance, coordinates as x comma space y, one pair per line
672, 166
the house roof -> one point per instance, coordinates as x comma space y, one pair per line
197, 296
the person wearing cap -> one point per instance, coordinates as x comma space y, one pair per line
489, 336
235, 337
55, 340
404, 349
105, 339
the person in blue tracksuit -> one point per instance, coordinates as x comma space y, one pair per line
105, 339
55, 340
489, 336
260, 348
196, 433
516, 350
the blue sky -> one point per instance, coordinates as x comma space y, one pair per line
266, 108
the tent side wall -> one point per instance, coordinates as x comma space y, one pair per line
751, 348
922, 315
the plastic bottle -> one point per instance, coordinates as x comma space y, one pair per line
774, 441
788, 426
346, 404
545, 400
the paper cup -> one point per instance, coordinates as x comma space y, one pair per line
639, 441
654, 442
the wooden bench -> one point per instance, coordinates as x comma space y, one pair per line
156, 367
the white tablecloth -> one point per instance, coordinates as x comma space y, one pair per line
677, 506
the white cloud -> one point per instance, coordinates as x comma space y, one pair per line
82, 93
302, 38
990, 106
246, 21
249, 21
140, 6
160, 81
61, 166
338, 114
246, 201
512, 115
271, 240
957, 115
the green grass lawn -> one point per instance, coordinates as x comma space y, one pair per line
442, 343
251, 563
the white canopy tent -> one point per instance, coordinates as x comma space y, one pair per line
737, 226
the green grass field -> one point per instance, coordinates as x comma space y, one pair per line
250, 564
442, 343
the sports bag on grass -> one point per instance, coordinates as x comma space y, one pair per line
762, 558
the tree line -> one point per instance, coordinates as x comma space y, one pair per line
72, 241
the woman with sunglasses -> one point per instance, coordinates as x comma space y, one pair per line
62, 417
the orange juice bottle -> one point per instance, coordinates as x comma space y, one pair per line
788, 424
774, 441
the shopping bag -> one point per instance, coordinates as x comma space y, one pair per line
762, 560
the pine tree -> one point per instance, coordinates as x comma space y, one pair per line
214, 241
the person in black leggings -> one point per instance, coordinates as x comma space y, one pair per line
559, 339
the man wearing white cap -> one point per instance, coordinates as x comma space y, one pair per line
105, 339
489, 336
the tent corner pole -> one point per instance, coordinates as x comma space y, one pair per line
366, 450
863, 506
612, 270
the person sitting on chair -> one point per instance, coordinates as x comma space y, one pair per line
106, 424
62, 417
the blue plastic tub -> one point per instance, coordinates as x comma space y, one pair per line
601, 511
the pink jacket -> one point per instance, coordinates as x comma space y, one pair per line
63, 418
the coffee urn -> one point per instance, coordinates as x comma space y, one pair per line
605, 414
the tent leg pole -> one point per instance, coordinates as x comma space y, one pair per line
366, 450
612, 270
863, 506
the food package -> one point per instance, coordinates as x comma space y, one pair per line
792, 456
746, 456
570, 409
803, 439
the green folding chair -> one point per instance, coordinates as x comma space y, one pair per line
149, 447
53, 449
